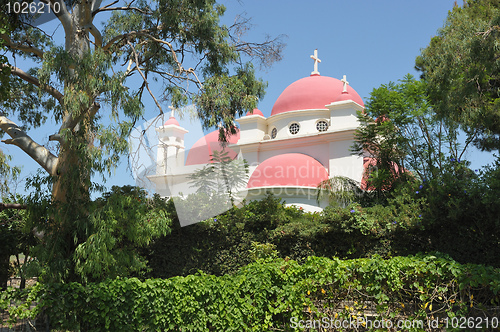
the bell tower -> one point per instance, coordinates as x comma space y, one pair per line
171, 149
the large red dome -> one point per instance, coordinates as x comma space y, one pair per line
290, 169
202, 150
313, 92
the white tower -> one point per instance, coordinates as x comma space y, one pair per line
171, 147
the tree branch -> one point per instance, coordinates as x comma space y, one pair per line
144, 77
13, 206
268, 52
128, 35
33, 80
96, 4
70, 122
128, 7
64, 17
96, 33
55, 137
181, 69
22, 47
37, 152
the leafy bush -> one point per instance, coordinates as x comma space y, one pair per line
271, 295
106, 238
412, 221
462, 217
16, 239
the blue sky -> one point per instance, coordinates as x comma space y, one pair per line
372, 42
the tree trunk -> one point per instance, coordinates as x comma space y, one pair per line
4, 271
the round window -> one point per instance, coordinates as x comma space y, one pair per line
274, 132
294, 128
322, 125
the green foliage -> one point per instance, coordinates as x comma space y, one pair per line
462, 70
462, 216
339, 190
263, 251
84, 77
223, 244
221, 177
402, 133
7, 172
459, 218
269, 295
104, 241
224, 97
122, 221
15, 239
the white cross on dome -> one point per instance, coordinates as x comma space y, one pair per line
316, 61
344, 80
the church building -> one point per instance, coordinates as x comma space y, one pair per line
305, 140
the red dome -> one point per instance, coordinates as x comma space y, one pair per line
171, 121
291, 169
202, 150
344, 96
256, 111
313, 92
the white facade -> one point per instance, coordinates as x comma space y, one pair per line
305, 140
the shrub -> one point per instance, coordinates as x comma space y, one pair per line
272, 295
408, 224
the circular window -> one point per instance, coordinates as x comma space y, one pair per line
322, 125
274, 132
294, 128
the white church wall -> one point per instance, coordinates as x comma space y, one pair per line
252, 128
343, 115
342, 162
305, 118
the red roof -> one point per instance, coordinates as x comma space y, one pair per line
290, 169
313, 92
256, 111
201, 152
171, 121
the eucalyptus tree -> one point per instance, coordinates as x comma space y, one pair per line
8, 173
88, 73
463, 72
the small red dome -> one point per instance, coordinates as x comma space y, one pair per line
172, 121
313, 92
201, 152
256, 111
290, 169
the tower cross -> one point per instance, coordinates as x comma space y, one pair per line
172, 113
344, 80
316, 61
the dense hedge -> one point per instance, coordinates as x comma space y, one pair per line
405, 226
274, 295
